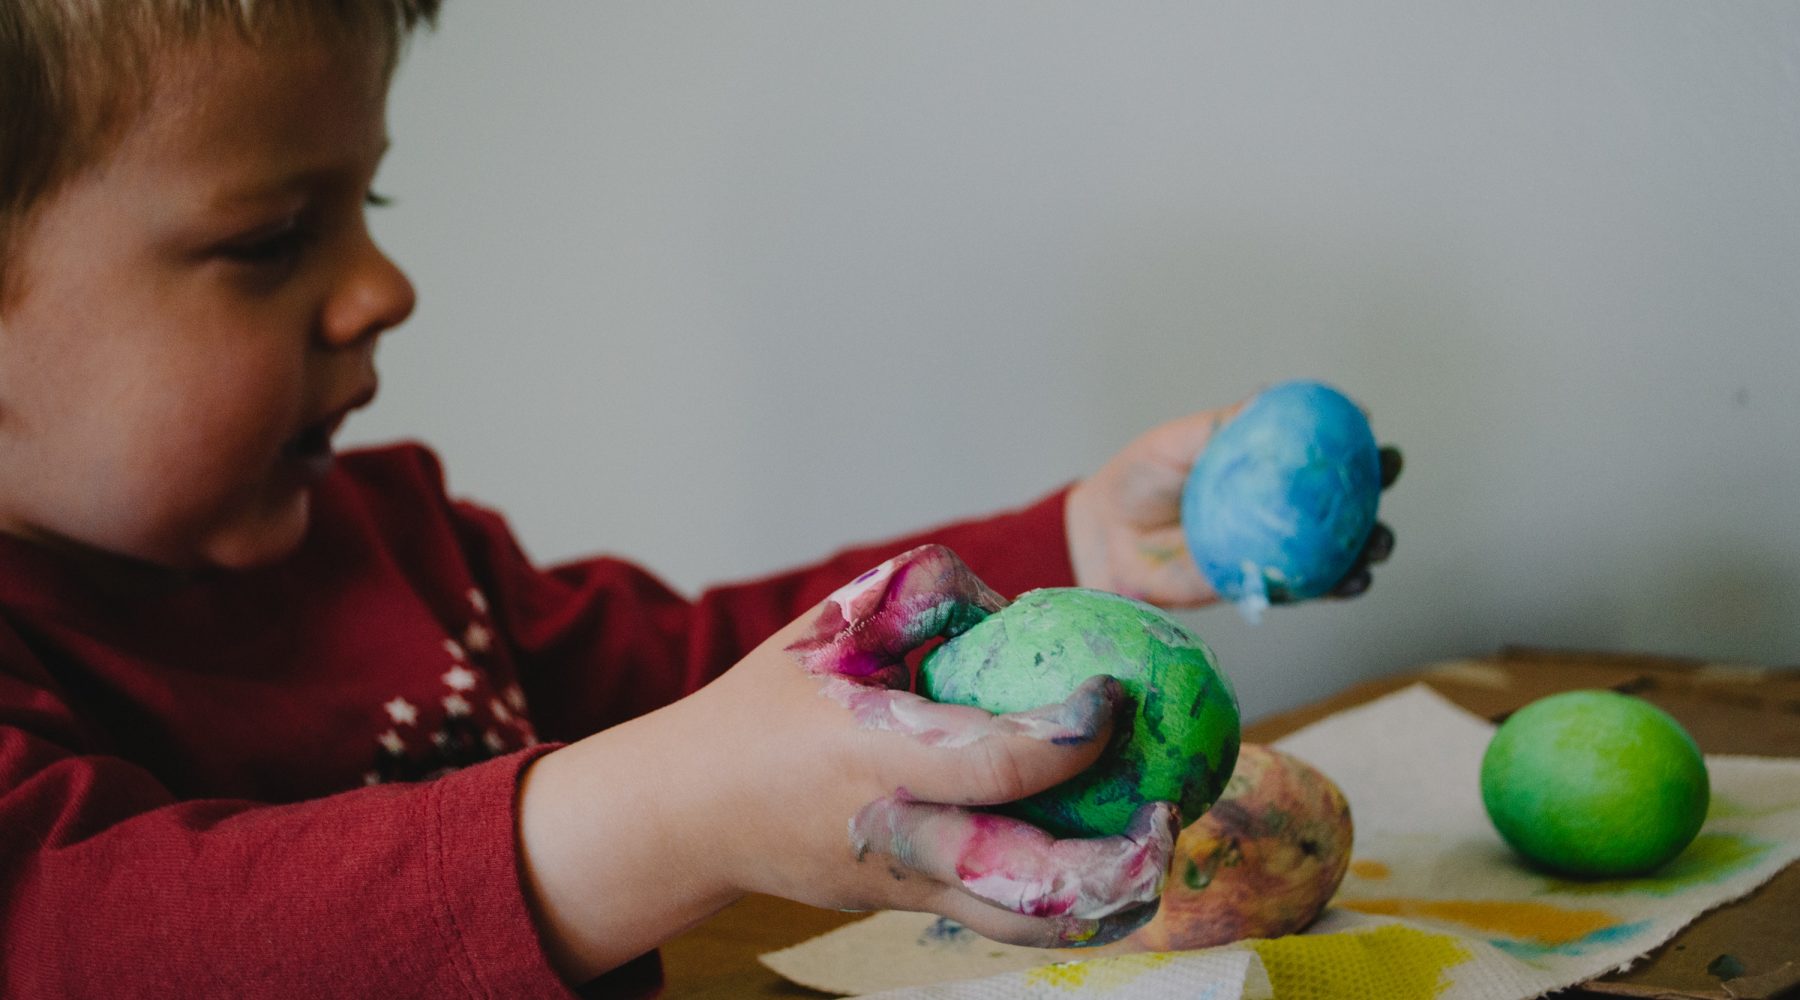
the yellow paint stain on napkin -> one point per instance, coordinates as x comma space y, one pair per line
1540, 922
1099, 972
1398, 963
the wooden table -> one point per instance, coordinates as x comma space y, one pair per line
1733, 710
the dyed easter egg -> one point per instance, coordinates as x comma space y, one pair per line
1182, 738
1279, 504
1262, 862
1595, 783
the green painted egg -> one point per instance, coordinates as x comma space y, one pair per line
1594, 783
1182, 739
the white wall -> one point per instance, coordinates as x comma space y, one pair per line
722, 286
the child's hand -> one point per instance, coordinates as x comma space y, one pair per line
1075, 892
1124, 521
809, 771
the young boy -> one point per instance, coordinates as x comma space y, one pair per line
274, 722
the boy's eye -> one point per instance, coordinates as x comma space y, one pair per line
271, 247
281, 245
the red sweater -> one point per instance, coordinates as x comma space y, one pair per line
216, 785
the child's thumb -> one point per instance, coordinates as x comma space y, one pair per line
965, 756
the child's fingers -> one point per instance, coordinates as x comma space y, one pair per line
1376, 550
1019, 867
1006, 926
1391, 464
1379, 546
864, 629
1185, 437
1144, 480
965, 756
1177, 443
1079, 720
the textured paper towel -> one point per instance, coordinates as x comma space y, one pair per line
1434, 905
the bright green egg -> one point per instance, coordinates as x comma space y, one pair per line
1182, 740
1594, 783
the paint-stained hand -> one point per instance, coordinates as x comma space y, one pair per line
857, 794
810, 771
1124, 521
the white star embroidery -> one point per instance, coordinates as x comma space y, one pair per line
392, 742
455, 651
494, 742
477, 637
456, 706
515, 696
499, 709
478, 601
403, 712
460, 678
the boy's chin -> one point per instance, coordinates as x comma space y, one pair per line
259, 541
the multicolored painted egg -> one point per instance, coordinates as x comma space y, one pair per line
1263, 862
1183, 735
1280, 503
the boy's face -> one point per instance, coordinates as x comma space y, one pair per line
197, 312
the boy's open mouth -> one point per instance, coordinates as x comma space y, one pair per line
313, 442
310, 451
312, 446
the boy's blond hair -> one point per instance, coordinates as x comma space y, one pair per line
74, 72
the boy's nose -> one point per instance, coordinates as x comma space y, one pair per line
374, 296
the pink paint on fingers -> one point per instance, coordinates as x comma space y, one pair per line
1019, 867
866, 627
1079, 718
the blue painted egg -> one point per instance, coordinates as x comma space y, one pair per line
1278, 506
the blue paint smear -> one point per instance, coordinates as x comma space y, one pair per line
944, 931
1601, 938
1280, 503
